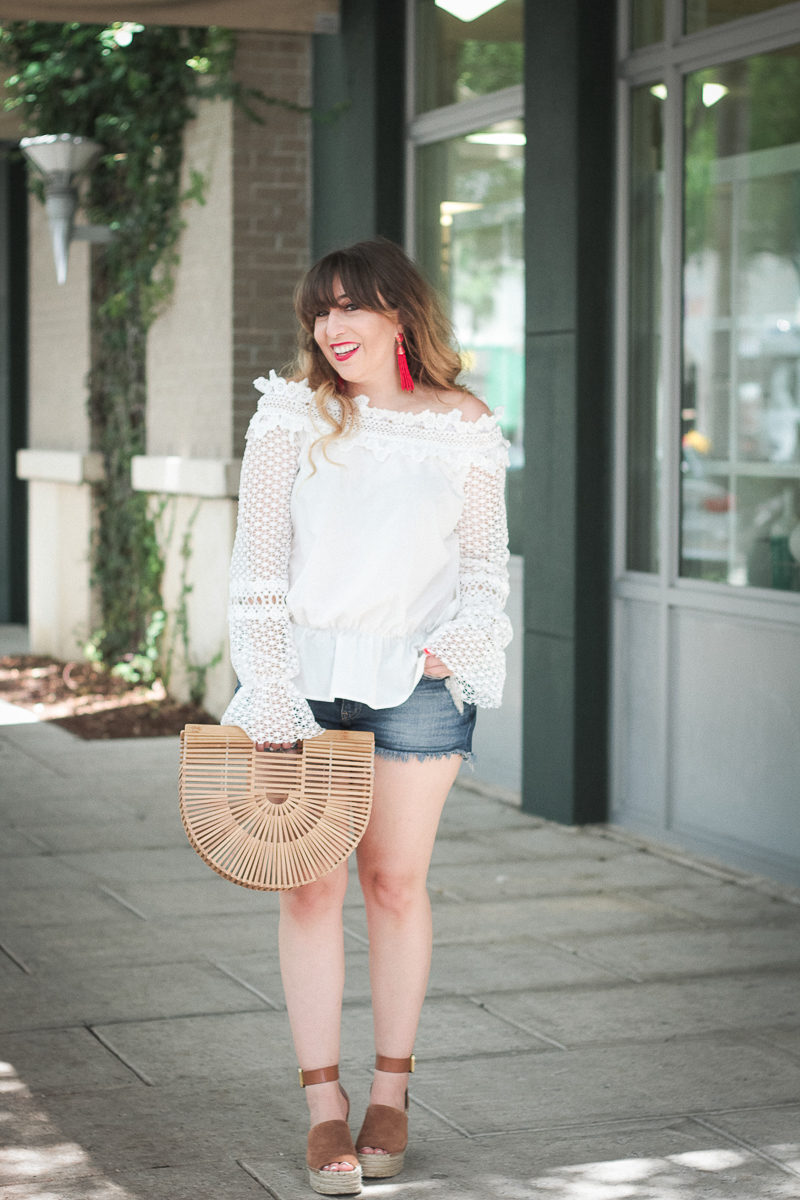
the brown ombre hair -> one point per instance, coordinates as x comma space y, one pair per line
380, 277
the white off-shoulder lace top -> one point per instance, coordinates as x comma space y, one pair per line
346, 569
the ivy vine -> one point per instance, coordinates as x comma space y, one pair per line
134, 90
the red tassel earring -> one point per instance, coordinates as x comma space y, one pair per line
340, 384
406, 382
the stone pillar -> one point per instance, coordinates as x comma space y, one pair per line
58, 466
231, 319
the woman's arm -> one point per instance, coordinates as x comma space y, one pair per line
267, 705
472, 645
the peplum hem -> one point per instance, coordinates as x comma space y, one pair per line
367, 668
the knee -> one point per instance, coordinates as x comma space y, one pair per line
392, 891
309, 902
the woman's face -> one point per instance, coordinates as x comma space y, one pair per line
357, 342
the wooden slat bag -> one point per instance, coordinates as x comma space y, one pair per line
272, 821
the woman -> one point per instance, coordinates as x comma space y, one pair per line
367, 590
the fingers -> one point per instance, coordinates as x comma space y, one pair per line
271, 746
435, 668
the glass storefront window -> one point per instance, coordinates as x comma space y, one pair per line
461, 55
469, 240
740, 434
701, 14
647, 22
646, 203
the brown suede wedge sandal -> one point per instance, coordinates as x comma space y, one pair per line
385, 1128
331, 1142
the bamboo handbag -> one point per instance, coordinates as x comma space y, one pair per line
272, 821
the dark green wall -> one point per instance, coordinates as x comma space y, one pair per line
13, 385
567, 492
358, 156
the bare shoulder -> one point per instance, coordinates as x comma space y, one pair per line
470, 407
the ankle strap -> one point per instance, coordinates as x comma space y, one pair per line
396, 1065
321, 1075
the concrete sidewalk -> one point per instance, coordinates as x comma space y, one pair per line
604, 1020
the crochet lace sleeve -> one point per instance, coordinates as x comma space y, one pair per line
473, 644
267, 705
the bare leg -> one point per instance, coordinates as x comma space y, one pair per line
311, 938
393, 860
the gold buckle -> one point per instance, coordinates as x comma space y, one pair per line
300, 1076
412, 1063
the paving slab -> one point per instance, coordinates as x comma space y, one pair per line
38, 907
55, 1058
654, 1011
556, 1087
787, 1040
261, 971
42, 872
123, 832
511, 965
142, 1128
453, 847
58, 801
537, 840
89, 996
220, 1046
723, 902
550, 876
775, 1131
538, 916
631, 1161
549, 916
138, 866
448, 1026
660, 954
204, 895
126, 938
471, 813
15, 842
187, 1182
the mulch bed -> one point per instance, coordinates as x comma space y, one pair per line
90, 702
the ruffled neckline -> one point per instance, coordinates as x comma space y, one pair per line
428, 418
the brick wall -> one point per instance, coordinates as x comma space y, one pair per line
271, 212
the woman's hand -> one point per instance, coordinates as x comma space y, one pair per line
276, 745
435, 668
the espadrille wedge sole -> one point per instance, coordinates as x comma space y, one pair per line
385, 1128
331, 1142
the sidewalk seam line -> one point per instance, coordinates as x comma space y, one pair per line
565, 948
435, 1112
541, 1037
120, 900
248, 1170
745, 1145
120, 1058
18, 962
248, 986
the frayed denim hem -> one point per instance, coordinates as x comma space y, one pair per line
407, 755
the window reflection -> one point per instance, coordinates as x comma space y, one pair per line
458, 59
701, 14
469, 240
740, 495
647, 22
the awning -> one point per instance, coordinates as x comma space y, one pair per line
284, 16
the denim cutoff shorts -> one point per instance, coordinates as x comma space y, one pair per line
426, 725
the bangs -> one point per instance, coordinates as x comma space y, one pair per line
356, 276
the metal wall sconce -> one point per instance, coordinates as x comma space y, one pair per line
60, 158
